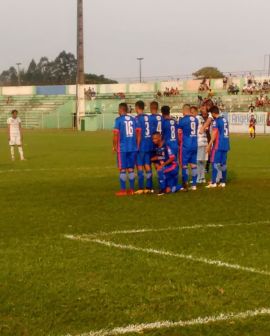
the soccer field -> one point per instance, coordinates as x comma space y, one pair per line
76, 260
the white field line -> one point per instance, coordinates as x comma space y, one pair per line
217, 263
140, 328
29, 170
179, 228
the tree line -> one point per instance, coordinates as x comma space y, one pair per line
62, 70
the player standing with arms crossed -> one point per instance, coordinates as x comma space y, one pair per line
188, 133
125, 145
15, 135
219, 145
145, 147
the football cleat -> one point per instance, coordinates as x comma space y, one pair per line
222, 185
121, 193
193, 188
139, 192
130, 192
148, 191
161, 192
211, 186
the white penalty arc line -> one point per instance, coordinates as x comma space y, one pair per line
177, 228
140, 328
217, 263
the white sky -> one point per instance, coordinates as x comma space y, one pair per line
174, 36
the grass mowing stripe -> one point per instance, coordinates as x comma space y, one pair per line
140, 328
30, 170
179, 228
217, 263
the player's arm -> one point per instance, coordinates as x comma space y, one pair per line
138, 137
115, 139
213, 139
21, 132
206, 125
8, 130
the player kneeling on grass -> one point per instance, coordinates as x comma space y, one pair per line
15, 134
125, 145
166, 165
220, 145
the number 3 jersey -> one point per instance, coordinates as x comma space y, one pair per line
125, 127
222, 142
189, 126
144, 127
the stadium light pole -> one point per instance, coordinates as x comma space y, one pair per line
80, 64
140, 59
19, 73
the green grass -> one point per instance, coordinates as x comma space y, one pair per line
50, 285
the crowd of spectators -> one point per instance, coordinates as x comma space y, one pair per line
90, 93
255, 87
119, 95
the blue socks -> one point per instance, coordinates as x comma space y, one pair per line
161, 180
123, 180
194, 176
149, 180
224, 173
185, 175
141, 179
131, 176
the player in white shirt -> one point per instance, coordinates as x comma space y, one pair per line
202, 155
15, 134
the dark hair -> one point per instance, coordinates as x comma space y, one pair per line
14, 111
194, 108
156, 133
166, 110
154, 104
186, 106
140, 104
123, 106
214, 110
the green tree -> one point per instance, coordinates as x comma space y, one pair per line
62, 70
208, 72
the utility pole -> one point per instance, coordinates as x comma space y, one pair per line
19, 73
80, 110
80, 43
140, 59
267, 57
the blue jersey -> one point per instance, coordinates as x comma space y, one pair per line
222, 142
125, 127
143, 125
189, 126
170, 133
163, 154
155, 123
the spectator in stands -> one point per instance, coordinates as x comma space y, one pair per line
233, 89
225, 83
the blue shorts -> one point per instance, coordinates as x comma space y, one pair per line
219, 157
126, 160
171, 177
188, 157
143, 158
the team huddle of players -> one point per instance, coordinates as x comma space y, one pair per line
160, 141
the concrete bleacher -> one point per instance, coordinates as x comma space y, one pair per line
34, 111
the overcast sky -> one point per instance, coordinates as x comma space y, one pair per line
174, 36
